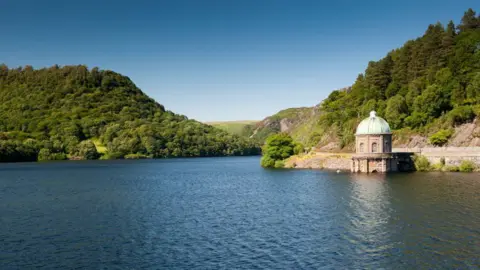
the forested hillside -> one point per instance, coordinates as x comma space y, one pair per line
77, 113
428, 85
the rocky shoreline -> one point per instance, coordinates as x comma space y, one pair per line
316, 160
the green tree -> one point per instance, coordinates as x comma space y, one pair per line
400, 68
416, 119
469, 21
396, 111
277, 147
441, 137
448, 43
421, 163
44, 154
86, 150
432, 102
460, 115
473, 89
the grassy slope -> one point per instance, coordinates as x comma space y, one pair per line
300, 123
234, 127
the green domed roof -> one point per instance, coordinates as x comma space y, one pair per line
373, 125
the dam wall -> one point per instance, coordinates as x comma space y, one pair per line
452, 155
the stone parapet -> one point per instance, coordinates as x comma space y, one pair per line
372, 155
450, 155
439, 150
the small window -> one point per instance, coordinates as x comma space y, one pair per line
387, 148
374, 147
361, 148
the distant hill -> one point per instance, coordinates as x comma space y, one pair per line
429, 85
79, 113
234, 127
283, 121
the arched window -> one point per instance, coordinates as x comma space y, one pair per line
361, 147
374, 147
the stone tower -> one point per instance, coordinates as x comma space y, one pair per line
373, 146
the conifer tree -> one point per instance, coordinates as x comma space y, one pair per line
469, 21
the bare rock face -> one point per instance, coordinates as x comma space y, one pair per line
417, 141
284, 121
465, 135
285, 125
475, 142
330, 147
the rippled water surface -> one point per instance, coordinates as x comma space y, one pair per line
228, 213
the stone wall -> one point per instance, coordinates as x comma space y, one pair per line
337, 163
451, 155
439, 150
451, 159
328, 161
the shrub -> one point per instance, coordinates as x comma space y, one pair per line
86, 150
476, 110
315, 137
111, 155
136, 156
279, 164
467, 166
437, 166
441, 137
59, 156
421, 163
45, 155
267, 162
450, 168
460, 115
105, 156
298, 149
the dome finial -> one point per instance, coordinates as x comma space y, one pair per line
373, 114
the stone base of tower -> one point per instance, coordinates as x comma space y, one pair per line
382, 163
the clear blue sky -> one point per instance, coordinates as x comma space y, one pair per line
224, 59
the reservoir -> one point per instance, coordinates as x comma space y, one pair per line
229, 213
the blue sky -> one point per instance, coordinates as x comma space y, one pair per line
224, 59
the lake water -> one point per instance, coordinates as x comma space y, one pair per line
228, 213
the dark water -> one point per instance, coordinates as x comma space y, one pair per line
229, 214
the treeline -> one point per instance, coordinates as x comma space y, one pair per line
72, 112
430, 83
